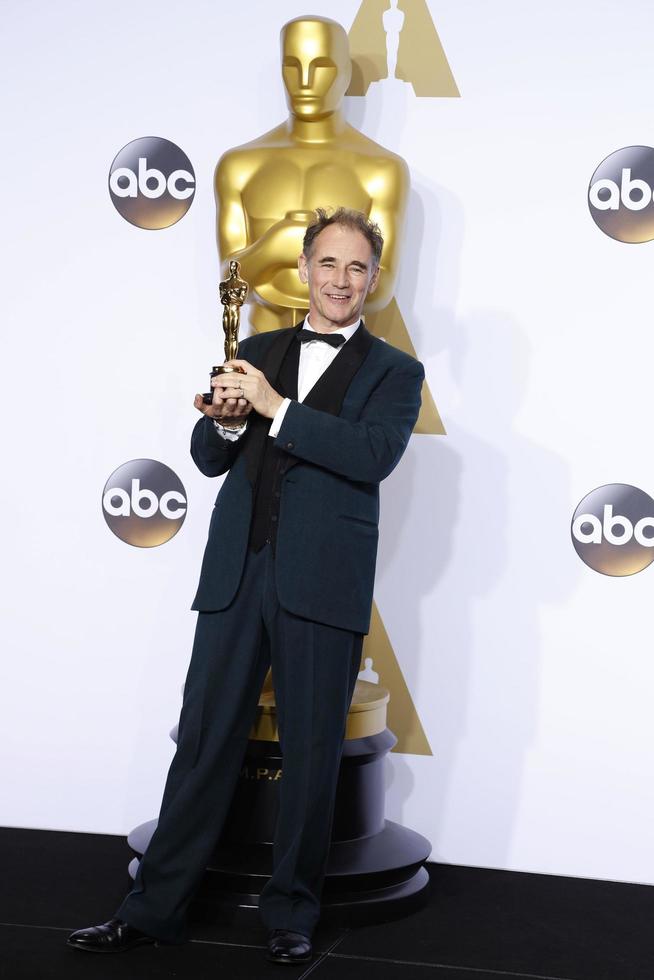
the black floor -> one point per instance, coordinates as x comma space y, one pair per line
478, 925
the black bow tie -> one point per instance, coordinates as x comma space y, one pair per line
333, 339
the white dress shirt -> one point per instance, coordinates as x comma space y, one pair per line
315, 358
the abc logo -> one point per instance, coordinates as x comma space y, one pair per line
152, 182
621, 195
613, 529
144, 503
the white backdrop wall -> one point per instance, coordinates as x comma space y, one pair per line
532, 674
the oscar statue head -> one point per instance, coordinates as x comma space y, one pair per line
316, 66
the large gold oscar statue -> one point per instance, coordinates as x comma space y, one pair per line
267, 190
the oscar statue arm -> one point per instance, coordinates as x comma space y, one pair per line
277, 248
389, 192
369, 449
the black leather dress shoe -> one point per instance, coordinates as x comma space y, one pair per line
289, 947
114, 936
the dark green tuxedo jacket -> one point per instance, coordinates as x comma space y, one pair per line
347, 435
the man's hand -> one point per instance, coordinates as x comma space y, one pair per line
228, 402
254, 388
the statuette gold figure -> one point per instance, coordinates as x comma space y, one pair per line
233, 293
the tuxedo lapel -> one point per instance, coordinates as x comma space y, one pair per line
272, 360
331, 387
258, 426
326, 395
329, 390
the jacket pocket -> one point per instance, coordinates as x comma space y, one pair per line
359, 521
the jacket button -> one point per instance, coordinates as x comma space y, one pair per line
290, 445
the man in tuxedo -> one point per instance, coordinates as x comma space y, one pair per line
321, 415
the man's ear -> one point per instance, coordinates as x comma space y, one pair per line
374, 280
302, 267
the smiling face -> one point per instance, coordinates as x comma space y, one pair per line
340, 272
315, 66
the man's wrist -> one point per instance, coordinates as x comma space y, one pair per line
231, 432
278, 418
230, 423
276, 406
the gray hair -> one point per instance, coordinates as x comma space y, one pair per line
348, 218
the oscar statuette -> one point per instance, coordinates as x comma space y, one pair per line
233, 293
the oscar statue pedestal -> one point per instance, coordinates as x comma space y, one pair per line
375, 869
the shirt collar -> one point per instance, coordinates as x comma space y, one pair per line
346, 331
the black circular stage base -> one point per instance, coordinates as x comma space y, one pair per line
375, 869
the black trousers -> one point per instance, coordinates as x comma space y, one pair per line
314, 670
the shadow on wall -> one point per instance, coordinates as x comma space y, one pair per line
480, 551
464, 567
